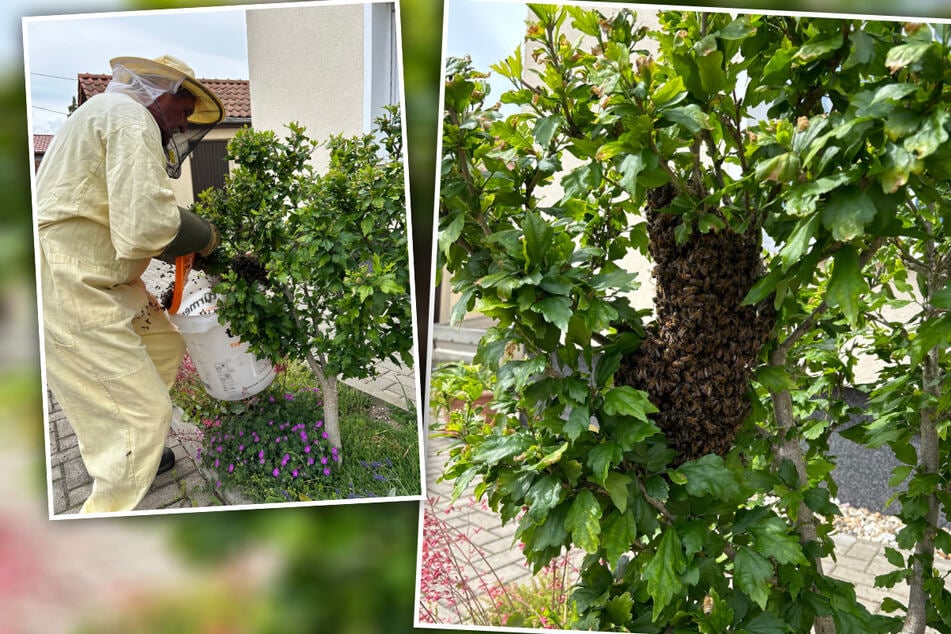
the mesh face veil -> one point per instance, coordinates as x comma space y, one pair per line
181, 145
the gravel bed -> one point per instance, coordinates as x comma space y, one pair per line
872, 526
866, 524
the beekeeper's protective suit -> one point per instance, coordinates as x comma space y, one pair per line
104, 208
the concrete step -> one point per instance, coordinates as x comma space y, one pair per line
455, 343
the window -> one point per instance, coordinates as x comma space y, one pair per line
209, 165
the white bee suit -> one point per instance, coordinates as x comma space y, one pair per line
104, 208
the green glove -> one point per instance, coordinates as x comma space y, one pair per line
195, 235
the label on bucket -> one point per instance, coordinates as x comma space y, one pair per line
228, 371
198, 297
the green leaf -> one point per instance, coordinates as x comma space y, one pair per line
497, 448
799, 240
752, 573
775, 378
905, 55
942, 298
763, 288
544, 495
580, 182
846, 286
663, 570
618, 532
930, 136
617, 486
894, 557
772, 538
630, 168
691, 118
781, 169
619, 608
577, 422
670, 93
556, 310
626, 401
863, 50
538, 238
584, 521
847, 212
821, 44
710, 66
545, 129
602, 458
899, 164
709, 476
767, 623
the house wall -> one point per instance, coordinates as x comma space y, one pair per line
307, 65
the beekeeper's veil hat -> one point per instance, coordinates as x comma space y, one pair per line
146, 79
149, 78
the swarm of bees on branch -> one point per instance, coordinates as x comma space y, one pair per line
697, 359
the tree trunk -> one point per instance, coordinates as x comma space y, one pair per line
791, 450
329, 392
929, 460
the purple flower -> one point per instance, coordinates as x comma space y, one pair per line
294, 473
276, 472
288, 397
240, 447
217, 463
325, 436
261, 454
307, 449
326, 471
318, 424
323, 460
310, 461
231, 468
241, 433
219, 448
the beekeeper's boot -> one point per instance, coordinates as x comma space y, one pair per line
168, 460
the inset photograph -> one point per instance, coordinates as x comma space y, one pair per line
223, 262
690, 356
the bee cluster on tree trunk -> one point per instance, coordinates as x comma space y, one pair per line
697, 358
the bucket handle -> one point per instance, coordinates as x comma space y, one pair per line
183, 266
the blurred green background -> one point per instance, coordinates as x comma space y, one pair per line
346, 569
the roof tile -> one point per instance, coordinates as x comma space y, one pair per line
235, 94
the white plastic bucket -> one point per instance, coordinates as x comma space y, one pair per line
228, 371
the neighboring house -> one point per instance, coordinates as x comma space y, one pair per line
40, 143
206, 166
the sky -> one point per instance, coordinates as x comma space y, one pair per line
486, 30
57, 49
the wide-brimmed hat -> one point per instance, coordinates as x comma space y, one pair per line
208, 107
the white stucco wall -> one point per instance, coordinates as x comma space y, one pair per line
306, 65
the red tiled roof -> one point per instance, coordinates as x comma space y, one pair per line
41, 142
234, 93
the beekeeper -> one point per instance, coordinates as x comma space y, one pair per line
105, 208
